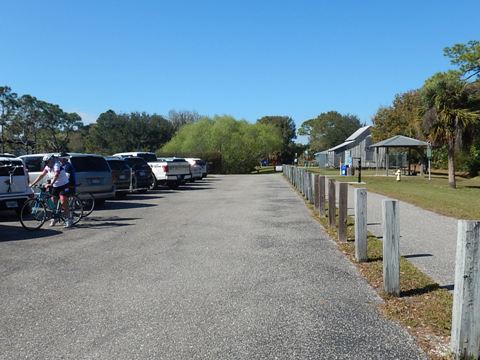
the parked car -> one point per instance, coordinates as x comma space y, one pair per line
196, 168
92, 172
14, 189
171, 172
141, 173
121, 174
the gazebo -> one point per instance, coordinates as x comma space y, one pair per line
398, 141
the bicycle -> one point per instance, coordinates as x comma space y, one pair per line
88, 202
42, 208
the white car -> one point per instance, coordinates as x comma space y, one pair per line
200, 166
195, 168
14, 189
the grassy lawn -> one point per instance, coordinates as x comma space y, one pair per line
434, 195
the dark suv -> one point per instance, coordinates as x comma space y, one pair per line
142, 173
121, 174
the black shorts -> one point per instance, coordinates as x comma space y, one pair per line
61, 190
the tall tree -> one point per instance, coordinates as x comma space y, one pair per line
403, 117
241, 145
329, 129
467, 57
8, 105
287, 128
181, 118
448, 116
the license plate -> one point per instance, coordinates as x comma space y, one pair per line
11, 204
122, 177
141, 173
94, 181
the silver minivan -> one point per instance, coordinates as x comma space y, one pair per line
92, 174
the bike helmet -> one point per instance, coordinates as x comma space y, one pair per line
48, 157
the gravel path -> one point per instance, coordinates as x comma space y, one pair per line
233, 267
427, 239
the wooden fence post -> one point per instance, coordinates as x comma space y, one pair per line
466, 300
391, 247
342, 211
316, 192
360, 200
312, 188
331, 203
321, 200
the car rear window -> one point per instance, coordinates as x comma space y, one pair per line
15, 167
118, 165
33, 163
136, 162
89, 163
148, 157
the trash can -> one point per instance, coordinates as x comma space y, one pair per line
343, 170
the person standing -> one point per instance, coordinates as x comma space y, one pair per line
59, 185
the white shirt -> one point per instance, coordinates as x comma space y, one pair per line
57, 168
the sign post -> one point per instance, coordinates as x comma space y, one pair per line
429, 157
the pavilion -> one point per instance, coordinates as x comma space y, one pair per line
398, 141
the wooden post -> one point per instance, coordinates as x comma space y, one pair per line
321, 200
391, 247
360, 200
316, 192
312, 188
342, 212
466, 300
331, 203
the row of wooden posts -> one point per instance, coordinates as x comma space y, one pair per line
465, 340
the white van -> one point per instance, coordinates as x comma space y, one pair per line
14, 189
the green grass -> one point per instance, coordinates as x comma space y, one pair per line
435, 195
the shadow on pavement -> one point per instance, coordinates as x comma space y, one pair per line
98, 222
116, 205
146, 196
193, 187
416, 256
15, 233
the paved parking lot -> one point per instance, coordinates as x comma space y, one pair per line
232, 267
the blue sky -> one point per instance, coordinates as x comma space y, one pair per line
243, 58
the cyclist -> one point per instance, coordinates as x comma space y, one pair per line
58, 184
70, 170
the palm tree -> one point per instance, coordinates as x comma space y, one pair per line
448, 116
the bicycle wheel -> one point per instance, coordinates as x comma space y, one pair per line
33, 214
75, 206
88, 202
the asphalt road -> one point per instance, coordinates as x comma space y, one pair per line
233, 267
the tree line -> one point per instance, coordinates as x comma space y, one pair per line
29, 125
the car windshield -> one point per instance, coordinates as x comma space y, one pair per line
89, 163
